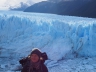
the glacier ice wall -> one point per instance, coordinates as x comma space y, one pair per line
60, 36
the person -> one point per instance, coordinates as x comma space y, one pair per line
34, 62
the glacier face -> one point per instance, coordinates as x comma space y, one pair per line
59, 36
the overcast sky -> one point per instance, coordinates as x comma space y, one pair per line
5, 4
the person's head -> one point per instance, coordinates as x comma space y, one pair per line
35, 55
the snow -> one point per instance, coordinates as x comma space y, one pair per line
74, 65
69, 41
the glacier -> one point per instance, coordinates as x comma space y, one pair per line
61, 37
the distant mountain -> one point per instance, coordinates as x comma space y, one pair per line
62, 7
43, 7
83, 8
67, 7
88, 10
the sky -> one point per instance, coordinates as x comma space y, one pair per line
5, 4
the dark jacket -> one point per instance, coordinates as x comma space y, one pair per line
26, 62
26, 68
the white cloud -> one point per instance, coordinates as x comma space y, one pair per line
2, 2
5, 4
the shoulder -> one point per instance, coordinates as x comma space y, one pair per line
44, 68
24, 61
